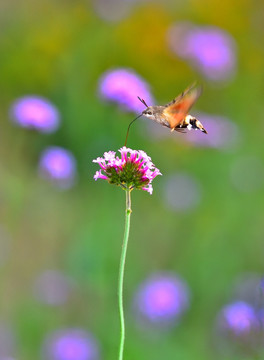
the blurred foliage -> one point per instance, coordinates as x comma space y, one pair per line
59, 49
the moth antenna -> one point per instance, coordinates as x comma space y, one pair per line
129, 127
143, 101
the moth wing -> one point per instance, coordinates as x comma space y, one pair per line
178, 108
179, 97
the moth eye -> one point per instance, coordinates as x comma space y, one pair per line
149, 113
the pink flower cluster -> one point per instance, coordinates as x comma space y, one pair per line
134, 170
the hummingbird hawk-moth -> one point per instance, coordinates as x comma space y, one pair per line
175, 115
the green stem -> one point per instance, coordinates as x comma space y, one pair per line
121, 274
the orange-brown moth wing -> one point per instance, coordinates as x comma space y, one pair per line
176, 111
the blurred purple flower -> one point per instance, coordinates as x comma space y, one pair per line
5, 241
239, 318
211, 49
134, 170
162, 299
71, 344
52, 288
239, 324
112, 10
248, 288
58, 165
182, 192
261, 286
34, 112
7, 342
123, 86
223, 133
247, 173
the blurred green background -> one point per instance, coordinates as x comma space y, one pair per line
59, 50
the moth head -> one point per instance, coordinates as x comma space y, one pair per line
149, 113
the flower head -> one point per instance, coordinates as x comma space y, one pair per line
35, 112
134, 170
162, 298
123, 86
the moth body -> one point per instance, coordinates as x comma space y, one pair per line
159, 115
175, 115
